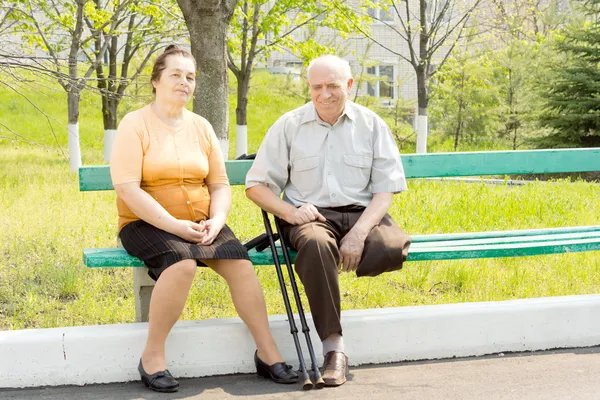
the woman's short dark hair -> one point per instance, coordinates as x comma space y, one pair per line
161, 62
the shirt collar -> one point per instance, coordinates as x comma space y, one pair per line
311, 115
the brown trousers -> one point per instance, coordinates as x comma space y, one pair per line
317, 243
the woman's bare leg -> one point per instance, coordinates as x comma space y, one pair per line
167, 302
249, 302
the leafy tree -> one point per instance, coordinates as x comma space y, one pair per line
207, 22
7, 17
260, 27
59, 28
141, 30
518, 69
430, 29
572, 103
525, 19
466, 102
517, 35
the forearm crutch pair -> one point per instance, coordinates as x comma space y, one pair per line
308, 384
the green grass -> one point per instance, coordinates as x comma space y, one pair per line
45, 222
270, 97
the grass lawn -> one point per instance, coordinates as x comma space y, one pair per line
45, 222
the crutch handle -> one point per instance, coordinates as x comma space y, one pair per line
264, 244
257, 241
261, 242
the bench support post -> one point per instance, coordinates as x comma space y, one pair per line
142, 289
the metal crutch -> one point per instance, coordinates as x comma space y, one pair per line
307, 385
319, 383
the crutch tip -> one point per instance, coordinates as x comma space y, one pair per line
320, 383
307, 385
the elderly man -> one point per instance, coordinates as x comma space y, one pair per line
338, 166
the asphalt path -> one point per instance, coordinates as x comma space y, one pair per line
561, 375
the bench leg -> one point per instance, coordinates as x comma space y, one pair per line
142, 289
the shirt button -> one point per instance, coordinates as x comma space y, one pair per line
329, 173
333, 195
330, 147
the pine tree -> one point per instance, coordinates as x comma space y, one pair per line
572, 109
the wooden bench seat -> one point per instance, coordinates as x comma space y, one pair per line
512, 243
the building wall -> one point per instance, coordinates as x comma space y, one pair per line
360, 47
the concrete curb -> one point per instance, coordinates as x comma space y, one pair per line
110, 353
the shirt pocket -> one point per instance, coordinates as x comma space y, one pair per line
306, 176
357, 171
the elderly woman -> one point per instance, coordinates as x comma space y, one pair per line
173, 197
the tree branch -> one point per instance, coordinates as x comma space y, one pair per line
365, 34
231, 64
39, 110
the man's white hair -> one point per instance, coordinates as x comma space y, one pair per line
330, 60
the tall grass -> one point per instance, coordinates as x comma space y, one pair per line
270, 97
45, 222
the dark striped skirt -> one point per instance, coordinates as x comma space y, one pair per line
159, 249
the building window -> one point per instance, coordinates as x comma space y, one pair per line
384, 86
434, 10
381, 14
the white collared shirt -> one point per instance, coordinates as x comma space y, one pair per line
311, 161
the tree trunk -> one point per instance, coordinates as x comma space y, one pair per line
241, 113
207, 22
109, 115
73, 128
422, 77
111, 100
104, 95
458, 124
423, 100
73, 89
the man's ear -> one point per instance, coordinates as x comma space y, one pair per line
350, 82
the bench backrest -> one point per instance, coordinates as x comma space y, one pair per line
434, 165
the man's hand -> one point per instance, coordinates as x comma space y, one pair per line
305, 214
351, 249
213, 227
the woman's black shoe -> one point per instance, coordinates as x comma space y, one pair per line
161, 381
279, 372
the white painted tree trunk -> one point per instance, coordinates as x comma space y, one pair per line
109, 139
241, 140
224, 144
421, 133
74, 148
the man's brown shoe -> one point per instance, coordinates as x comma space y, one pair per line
335, 369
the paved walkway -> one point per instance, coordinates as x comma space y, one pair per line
561, 375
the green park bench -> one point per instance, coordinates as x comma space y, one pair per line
513, 243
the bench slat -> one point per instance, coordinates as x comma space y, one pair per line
484, 163
118, 257
97, 177
470, 252
507, 240
433, 165
501, 234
